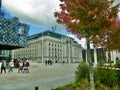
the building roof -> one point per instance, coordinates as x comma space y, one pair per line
46, 33
49, 33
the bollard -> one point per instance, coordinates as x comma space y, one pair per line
36, 87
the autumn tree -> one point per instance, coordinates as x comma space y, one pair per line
93, 19
109, 38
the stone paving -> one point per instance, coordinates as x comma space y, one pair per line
42, 76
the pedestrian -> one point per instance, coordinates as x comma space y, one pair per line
3, 67
26, 66
46, 62
0, 64
50, 62
63, 62
17, 63
20, 69
11, 65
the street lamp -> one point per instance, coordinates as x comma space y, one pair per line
108, 42
68, 42
42, 47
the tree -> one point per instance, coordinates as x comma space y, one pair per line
90, 19
109, 37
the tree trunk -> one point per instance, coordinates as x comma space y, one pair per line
89, 59
109, 57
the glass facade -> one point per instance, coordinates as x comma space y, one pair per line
13, 34
5, 55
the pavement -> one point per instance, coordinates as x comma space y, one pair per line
41, 77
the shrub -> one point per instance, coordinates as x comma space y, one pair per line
74, 85
84, 84
100, 86
62, 88
106, 76
82, 71
117, 65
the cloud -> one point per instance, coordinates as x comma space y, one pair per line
82, 41
40, 12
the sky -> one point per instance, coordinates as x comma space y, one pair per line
39, 14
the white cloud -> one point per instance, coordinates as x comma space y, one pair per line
82, 41
40, 12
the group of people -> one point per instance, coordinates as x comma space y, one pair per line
22, 66
48, 62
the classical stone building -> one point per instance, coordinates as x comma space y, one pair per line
49, 45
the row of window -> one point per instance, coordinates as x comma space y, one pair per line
55, 49
52, 52
55, 45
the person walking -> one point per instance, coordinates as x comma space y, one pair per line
46, 62
11, 65
3, 67
27, 65
20, 69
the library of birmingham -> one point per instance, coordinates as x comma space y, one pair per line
13, 35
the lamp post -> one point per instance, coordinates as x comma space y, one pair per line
42, 47
68, 42
108, 42
62, 43
69, 52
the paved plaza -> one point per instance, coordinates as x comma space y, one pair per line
41, 76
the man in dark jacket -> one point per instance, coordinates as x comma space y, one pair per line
3, 67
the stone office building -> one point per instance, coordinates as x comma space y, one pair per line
49, 45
